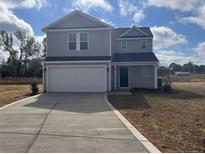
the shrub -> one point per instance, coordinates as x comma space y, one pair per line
167, 87
34, 88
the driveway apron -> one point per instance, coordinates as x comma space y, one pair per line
64, 122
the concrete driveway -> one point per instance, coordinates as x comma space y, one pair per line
64, 122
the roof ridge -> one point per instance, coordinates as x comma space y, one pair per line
132, 27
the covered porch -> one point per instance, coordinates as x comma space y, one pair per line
134, 70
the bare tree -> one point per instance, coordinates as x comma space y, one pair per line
6, 45
28, 47
24, 50
44, 47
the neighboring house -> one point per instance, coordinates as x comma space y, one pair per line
85, 54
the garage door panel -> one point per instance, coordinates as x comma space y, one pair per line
77, 79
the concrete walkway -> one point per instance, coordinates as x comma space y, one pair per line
64, 122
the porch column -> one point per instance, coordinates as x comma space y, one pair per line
44, 76
155, 77
110, 69
115, 72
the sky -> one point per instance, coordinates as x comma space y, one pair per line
178, 26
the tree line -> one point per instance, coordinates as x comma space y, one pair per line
24, 52
188, 67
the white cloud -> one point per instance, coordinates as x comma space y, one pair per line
10, 4
198, 19
200, 50
195, 7
40, 38
3, 56
11, 23
195, 20
182, 5
108, 22
129, 9
169, 56
87, 5
165, 37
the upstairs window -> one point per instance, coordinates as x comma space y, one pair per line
72, 41
83, 41
77, 41
123, 44
144, 44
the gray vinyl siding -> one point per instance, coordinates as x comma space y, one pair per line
99, 44
132, 46
76, 21
136, 80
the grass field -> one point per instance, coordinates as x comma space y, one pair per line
10, 93
191, 78
172, 122
19, 81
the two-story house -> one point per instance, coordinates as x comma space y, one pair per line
85, 54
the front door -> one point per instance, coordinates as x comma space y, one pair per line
123, 77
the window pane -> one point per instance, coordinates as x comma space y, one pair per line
83, 45
123, 44
72, 37
145, 71
83, 37
144, 44
72, 45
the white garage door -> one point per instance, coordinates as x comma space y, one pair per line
77, 79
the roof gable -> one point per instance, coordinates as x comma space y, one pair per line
77, 19
134, 32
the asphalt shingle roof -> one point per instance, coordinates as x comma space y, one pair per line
134, 57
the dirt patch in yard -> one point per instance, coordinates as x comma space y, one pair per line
172, 122
12, 93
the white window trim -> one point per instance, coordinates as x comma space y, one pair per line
84, 41
125, 45
145, 69
145, 44
72, 41
77, 41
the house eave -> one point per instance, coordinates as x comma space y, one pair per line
137, 38
69, 62
134, 63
